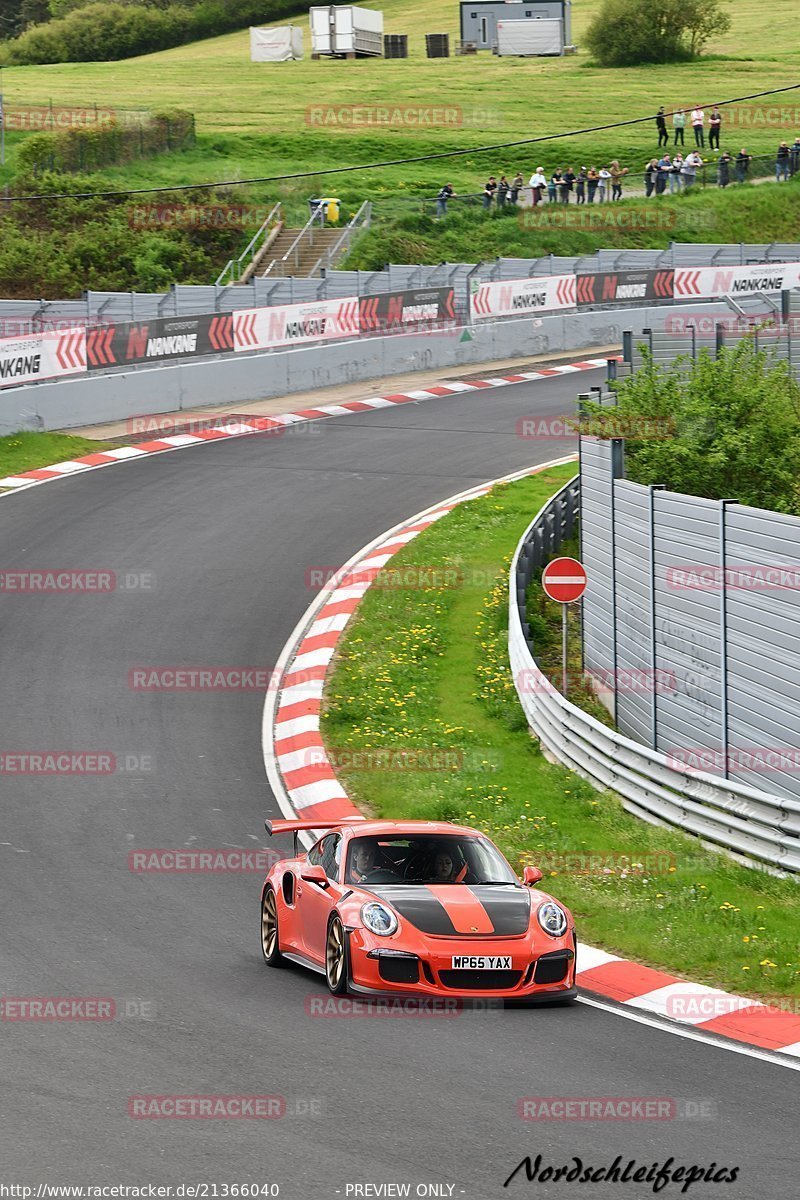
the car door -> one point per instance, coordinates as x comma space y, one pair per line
314, 901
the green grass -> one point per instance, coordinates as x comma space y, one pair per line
428, 669
263, 107
26, 451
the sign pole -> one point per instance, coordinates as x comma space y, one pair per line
2, 125
564, 580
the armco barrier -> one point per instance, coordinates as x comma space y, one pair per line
756, 827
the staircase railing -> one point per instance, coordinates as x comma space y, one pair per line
356, 225
232, 271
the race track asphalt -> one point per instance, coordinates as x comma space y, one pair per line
219, 540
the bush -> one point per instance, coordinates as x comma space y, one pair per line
728, 426
87, 149
627, 33
103, 32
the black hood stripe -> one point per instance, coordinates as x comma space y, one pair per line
508, 910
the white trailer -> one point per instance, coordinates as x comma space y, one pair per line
345, 31
530, 39
280, 44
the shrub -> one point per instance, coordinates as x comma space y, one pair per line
87, 149
627, 33
733, 422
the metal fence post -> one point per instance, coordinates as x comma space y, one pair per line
617, 472
654, 487
723, 632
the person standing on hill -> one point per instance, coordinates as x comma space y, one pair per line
445, 193
676, 174
743, 160
517, 184
661, 126
580, 186
537, 183
698, 125
569, 180
503, 188
650, 172
691, 165
663, 173
618, 173
794, 156
724, 169
679, 124
592, 180
782, 162
488, 191
714, 128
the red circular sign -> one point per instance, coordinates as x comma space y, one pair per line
564, 579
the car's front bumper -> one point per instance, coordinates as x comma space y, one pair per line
544, 972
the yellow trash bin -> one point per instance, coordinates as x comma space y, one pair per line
331, 208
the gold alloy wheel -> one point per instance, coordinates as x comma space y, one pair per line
269, 924
335, 955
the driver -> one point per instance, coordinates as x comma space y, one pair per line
362, 861
444, 867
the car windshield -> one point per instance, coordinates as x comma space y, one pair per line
430, 859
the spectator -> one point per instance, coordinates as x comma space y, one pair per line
554, 186
794, 156
724, 169
743, 160
679, 124
566, 187
537, 183
650, 172
675, 176
489, 190
603, 183
661, 126
592, 180
618, 173
445, 193
698, 124
663, 173
580, 187
782, 162
517, 184
714, 128
503, 188
691, 165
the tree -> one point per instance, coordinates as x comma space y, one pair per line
627, 33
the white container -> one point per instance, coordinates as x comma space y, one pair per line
345, 30
281, 44
530, 39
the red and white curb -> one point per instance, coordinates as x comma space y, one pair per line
274, 423
304, 784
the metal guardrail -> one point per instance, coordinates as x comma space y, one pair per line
756, 827
233, 270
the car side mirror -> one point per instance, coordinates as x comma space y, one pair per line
314, 873
531, 876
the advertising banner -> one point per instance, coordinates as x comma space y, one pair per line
516, 297
158, 340
398, 310
736, 281
294, 324
42, 356
620, 287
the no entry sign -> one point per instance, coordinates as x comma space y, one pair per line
564, 579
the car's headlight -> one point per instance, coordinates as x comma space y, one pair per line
552, 919
379, 919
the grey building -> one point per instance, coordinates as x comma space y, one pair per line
479, 20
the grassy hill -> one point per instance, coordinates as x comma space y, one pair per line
256, 119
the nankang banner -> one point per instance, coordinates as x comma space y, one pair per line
293, 324
398, 310
517, 297
624, 287
158, 340
736, 281
42, 356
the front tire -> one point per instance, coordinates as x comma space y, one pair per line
336, 957
270, 941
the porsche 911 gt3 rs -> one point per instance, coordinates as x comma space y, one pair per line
415, 908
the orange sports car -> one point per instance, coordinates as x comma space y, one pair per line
416, 908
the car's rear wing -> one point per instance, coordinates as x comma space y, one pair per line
274, 828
